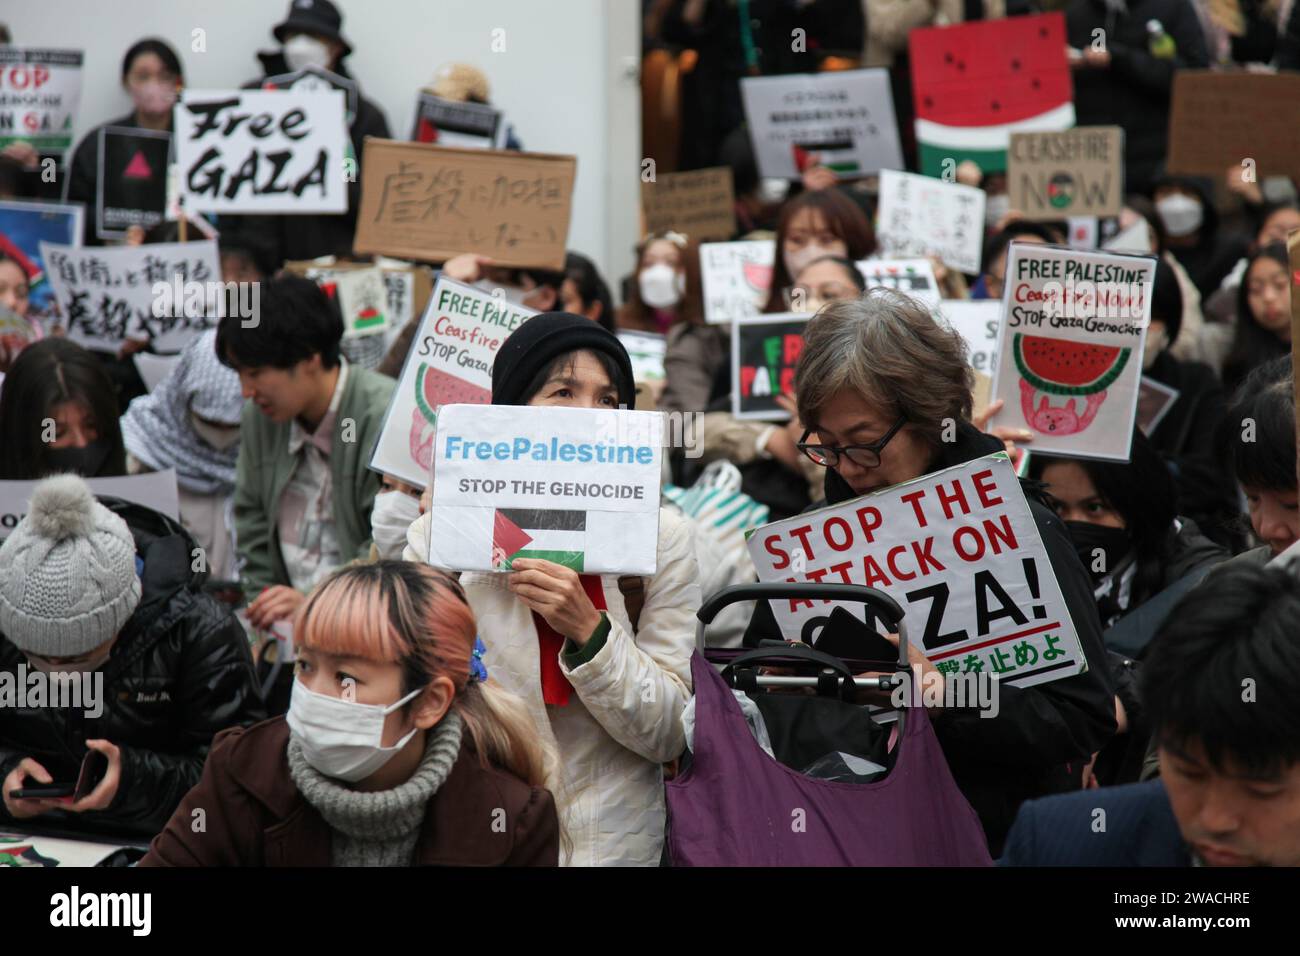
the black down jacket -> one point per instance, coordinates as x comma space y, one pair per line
180, 672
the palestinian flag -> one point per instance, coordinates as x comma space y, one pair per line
549, 534
975, 84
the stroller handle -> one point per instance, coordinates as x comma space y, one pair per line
878, 601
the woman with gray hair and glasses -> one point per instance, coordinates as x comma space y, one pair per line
884, 393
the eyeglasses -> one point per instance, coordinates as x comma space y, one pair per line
864, 456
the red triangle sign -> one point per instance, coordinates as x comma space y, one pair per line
138, 168
428, 132
507, 538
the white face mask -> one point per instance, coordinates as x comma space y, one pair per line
393, 514
661, 286
796, 261
220, 437
995, 207
1181, 214
342, 739
303, 51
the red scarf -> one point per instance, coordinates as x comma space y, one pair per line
555, 686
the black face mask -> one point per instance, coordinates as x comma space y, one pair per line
83, 461
1089, 539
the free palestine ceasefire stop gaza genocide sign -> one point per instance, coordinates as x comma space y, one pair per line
959, 550
576, 486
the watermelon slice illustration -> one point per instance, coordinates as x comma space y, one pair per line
434, 387
368, 318
977, 83
1055, 369
758, 275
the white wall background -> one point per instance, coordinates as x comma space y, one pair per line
566, 78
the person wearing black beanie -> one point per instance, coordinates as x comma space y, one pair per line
526, 359
602, 662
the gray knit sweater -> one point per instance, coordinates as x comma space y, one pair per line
378, 828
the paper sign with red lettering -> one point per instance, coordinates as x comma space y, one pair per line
764, 352
1070, 347
39, 93
450, 362
960, 552
736, 277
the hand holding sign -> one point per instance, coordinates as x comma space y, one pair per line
556, 593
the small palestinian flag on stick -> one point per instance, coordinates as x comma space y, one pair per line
552, 535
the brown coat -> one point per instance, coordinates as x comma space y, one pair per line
253, 814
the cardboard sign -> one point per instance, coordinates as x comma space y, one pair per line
429, 203
974, 84
463, 125
843, 119
1070, 348
1155, 399
764, 352
39, 93
920, 216
312, 78
450, 362
132, 186
700, 204
576, 486
23, 227
914, 277
1245, 107
166, 292
958, 549
262, 151
153, 489
646, 350
1078, 172
977, 321
735, 277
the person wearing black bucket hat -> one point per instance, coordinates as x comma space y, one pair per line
602, 661
318, 19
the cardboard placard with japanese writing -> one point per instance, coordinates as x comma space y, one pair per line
960, 552
700, 204
977, 321
39, 93
1070, 347
1076, 172
920, 216
165, 292
764, 352
914, 277
132, 185
1243, 131
153, 489
735, 277
841, 119
23, 227
431, 203
452, 123
575, 486
450, 362
263, 151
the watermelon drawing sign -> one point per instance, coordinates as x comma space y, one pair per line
450, 362
1070, 347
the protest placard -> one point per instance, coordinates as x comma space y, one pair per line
263, 151
958, 549
841, 119
39, 93
450, 362
1246, 134
920, 216
1155, 399
408, 286
764, 352
451, 123
735, 277
700, 204
1070, 347
311, 78
915, 277
1058, 175
576, 486
132, 185
363, 300
431, 203
976, 321
646, 350
974, 84
165, 292
23, 227
153, 489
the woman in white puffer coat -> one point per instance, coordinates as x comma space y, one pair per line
605, 685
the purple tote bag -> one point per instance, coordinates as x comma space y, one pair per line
736, 806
